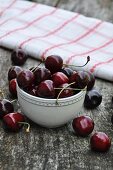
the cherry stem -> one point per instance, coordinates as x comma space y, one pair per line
2, 93
33, 69
75, 89
88, 59
40, 62
12, 101
62, 91
28, 126
67, 88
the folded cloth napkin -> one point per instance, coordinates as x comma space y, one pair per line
41, 31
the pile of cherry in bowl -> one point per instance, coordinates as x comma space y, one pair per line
53, 80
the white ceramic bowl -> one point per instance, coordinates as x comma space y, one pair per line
46, 112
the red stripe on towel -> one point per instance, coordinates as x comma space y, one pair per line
91, 30
8, 7
29, 23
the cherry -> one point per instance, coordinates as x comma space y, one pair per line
5, 107
12, 121
13, 72
100, 142
93, 98
67, 92
46, 89
83, 125
67, 71
25, 79
54, 63
80, 78
18, 57
12, 87
73, 78
41, 74
32, 90
59, 78
91, 82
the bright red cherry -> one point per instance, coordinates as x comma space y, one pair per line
54, 63
18, 57
5, 107
41, 74
46, 89
12, 87
67, 92
25, 79
83, 125
13, 72
59, 78
11, 121
100, 142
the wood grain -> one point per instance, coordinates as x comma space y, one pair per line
101, 9
59, 149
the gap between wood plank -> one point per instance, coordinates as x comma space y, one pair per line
57, 3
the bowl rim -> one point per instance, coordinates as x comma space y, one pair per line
35, 98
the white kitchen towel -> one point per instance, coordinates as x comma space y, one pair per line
41, 30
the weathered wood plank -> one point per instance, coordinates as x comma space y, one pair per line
101, 9
52, 149
59, 149
47, 2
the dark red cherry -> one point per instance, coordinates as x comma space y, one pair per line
83, 125
46, 89
80, 78
59, 78
41, 74
25, 79
93, 98
91, 81
18, 57
67, 92
100, 142
32, 90
54, 63
5, 107
83, 79
67, 71
73, 78
13, 72
11, 121
12, 87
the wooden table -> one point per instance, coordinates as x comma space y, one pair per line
52, 149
